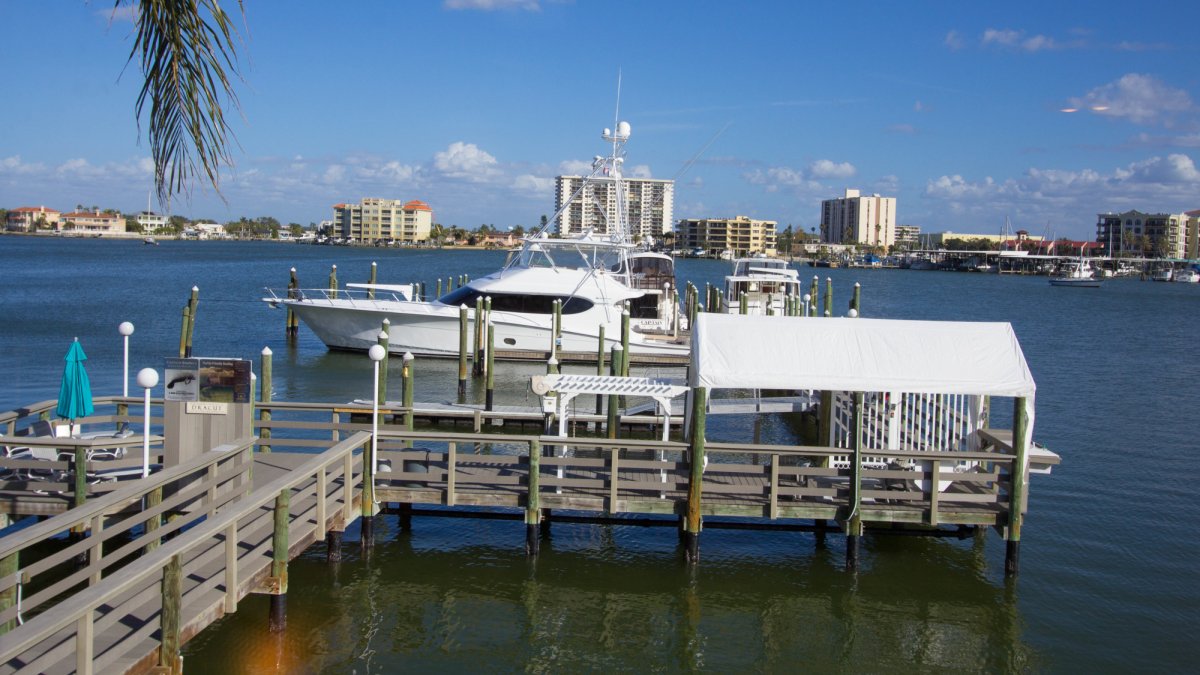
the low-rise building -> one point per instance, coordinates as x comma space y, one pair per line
383, 220
908, 237
742, 235
31, 218
206, 231
94, 222
151, 222
935, 240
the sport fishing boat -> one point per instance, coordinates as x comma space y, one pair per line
593, 277
1078, 274
764, 281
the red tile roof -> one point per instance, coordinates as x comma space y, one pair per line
417, 205
33, 209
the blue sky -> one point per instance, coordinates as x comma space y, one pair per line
955, 108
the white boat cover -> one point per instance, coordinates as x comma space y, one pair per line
844, 354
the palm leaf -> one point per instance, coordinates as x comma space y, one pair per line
185, 48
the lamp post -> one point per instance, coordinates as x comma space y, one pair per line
125, 329
376, 352
147, 378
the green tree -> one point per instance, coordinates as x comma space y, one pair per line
519, 231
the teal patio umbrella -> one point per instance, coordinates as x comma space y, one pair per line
75, 393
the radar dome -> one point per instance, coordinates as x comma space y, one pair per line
607, 132
623, 130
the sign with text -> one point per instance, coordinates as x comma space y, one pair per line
207, 380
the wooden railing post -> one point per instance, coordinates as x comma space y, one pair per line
279, 562
691, 535
80, 496
153, 499
170, 619
451, 468
532, 499
9, 566
1016, 490
265, 394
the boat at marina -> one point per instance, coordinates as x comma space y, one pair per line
1077, 274
1163, 274
593, 278
764, 282
150, 241
1187, 276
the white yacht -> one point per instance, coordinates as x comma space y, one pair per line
595, 278
1187, 275
765, 283
1078, 274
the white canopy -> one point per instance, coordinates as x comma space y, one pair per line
926, 357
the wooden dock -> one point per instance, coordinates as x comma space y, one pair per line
123, 578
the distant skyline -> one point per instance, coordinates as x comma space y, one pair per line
968, 113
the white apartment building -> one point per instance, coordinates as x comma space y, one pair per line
651, 205
854, 219
383, 220
151, 222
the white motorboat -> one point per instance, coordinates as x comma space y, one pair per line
1187, 275
1078, 274
594, 277
1163, 274
765, 283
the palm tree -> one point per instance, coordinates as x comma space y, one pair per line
187, 52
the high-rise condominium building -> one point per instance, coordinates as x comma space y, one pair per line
651, 205
383, 220
854, 219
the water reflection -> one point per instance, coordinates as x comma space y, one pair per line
458, 594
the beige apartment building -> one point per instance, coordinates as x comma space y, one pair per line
742, 235
855, 219
94, 222
651, 205
1135, 233
28, 218
383, 220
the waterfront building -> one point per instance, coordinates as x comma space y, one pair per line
383, 220
855, 219
206, 231
1017, 240
29, 218
1135, 233
908, 237
94, 222
651, 205
1192, 238
742, 235
151, 222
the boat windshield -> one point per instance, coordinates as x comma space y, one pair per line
570, 254
523, 303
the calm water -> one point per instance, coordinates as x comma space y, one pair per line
1107, 560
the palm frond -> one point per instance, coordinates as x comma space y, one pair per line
187, 51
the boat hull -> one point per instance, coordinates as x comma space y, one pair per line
1075, 282
432, 330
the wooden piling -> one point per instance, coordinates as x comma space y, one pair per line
1016, 491
477, 360
407, 376
856, 299
614, 406
183, 332
828, 296
491, 369
153, 499
368, 511
814, 298
625, 341
691, 535
193, 305
8, 568
854, 525
170, 620
333, 284
333, 546
743, 303
80, 471
600, 372
384, 340
277, 620
533, 510
371, 291
462, 353
292, 328
265, 394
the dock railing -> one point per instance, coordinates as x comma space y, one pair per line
171, 587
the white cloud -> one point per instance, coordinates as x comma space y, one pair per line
1059, 196
334, 173
493, 5
906, 129
14, 165
1015, 39
1142, 99
534, 186
120, 14
574, 167
824, 168
639, 171
954, 41
466, 161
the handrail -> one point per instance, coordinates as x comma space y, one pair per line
126, 495
65, 615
